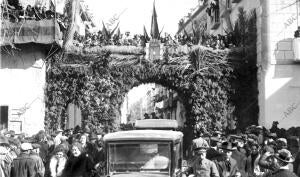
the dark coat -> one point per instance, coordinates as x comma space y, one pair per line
39, 165
297, 164
23, 166
212, 154
81, 166
89, 149
241, 159
283, 173
222, 167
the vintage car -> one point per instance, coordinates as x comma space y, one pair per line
144, 153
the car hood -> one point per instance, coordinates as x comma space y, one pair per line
136, 174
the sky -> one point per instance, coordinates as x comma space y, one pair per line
134, 14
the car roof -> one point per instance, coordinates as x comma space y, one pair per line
147, 135
156, 124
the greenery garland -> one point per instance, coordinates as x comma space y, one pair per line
99, 83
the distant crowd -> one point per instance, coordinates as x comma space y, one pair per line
119, 39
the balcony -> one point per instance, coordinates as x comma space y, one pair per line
26, 23
27, 31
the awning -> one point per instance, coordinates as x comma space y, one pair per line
42, 32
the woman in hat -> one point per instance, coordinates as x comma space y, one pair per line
58, 161
79, 164
283, 159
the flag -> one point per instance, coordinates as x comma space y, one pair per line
105, 32
113, 31
147, 38
118, 33
154, 25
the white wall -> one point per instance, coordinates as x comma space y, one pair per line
279, 75
22, 78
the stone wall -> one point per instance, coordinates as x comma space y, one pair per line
22, 78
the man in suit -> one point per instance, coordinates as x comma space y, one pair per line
227, 166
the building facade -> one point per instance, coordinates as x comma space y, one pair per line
23, 73
26, 42
278, 70
168, 105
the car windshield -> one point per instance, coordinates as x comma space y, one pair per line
143, 156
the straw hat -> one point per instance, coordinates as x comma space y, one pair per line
284, 155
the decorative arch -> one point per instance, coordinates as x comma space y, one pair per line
98, 78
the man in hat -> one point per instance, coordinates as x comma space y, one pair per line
227, 166
283, 159
199, 140
5, 163
24, 165
200, 165
39, 165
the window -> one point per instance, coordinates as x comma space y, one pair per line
140, 156
217, 15
228, 4
215, 11
3, 117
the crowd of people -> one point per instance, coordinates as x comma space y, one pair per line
257, 152
69, 153
79, 152
13, 11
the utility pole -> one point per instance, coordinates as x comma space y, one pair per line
73, 13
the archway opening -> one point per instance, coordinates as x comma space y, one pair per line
152, 101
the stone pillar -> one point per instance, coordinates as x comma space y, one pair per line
154, 50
